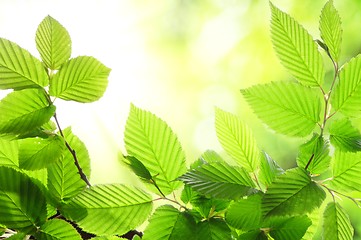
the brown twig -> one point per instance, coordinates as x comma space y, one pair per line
73, 153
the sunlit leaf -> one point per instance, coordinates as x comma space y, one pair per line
213, 229
346, 171
283, 228
315, 154
82, 79
296, 49
109, 209
344, 136
151, 141
346, 95
331, 30
211, 156
286, 107
19, 69
336, 223
56, 229
237, 139
245, 214
53, 43
64, 179
9, 153
169, 223
22, 204
315, 218
37, 153
292, 193
220, 180
23, 111
269, 170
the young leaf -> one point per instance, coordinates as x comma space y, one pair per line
220, 180
38, 153
331, 30
56, 229
23, 111
53, 43
211, 156
315, 154
245, 214
168, 223
82, 79
286, 107
109, 209
336, 223
344, 136
346, 171
63, 178
288, 228
292, 193
296, 49
9, 153
269, 170
237, 139
151, 141
213, 229
19, 69
22, 204
346, 96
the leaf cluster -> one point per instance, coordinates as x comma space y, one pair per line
45, 190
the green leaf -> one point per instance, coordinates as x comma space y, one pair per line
138, 168
220, 180
53, 43
113, 238
213, 229
19, 69
286, 107
292, 193
331, 30
344, 136
254, 235
109, 209
346, 171
81, 79
151, 141
269, 170
22, 204
237, 139
336, 223
57, 229
169, 223
288, 228
211, 156
245, 214
315, 218
315, 154
64, 181
23, 111
9, 153
38, 153
346, 95
296, 49
17, 236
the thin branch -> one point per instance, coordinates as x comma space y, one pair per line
257, 182
173, 201
309, 161
73, 153
333, 192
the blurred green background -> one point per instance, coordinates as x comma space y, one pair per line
178, 59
